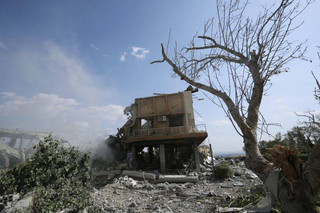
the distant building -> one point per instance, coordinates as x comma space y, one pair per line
17, 145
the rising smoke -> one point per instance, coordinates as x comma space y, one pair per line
102, 150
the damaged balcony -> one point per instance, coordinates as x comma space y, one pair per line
167, 135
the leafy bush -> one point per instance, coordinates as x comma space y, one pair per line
222, 171
63, 194
18, 179
60, 177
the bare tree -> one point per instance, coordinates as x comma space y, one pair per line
234, 60
317, 89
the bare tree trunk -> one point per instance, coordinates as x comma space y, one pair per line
296, 185
294, 198
312, 170
254, 160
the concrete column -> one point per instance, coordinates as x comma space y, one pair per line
196, 156
12, 141
211, 153
133, 150
150, 152
6, 160
21, 152
22, 155
162, 159
21, 143
171, 152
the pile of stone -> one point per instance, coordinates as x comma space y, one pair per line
138, 191
15, 203
134, 191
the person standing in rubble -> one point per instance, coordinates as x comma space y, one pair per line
129, 159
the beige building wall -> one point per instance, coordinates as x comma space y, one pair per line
189, 114
167, 106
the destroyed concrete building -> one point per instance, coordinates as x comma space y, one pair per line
17, 145
164, 125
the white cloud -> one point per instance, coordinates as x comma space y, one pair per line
65, 117
50, 68
139, 52
94, 47
220, 123
7, 94
123, 56
3, 45
199, 119
282, 107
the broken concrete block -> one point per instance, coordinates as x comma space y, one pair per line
177, 179
251, 175
137, 174
238, 183
230, 209
130, 183
23, 204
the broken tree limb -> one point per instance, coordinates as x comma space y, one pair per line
287, 159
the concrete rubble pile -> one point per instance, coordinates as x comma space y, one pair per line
138, 191
141, 191
15, 203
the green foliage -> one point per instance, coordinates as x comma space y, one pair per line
60, 178
63, 194
250, 198
254, 195
222, 171
18, 179
298, 137
264, 145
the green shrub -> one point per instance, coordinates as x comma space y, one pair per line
222, 171
19, 179
316, 199
63, 194
59, 177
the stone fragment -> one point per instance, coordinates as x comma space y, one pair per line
238, 184
133, 204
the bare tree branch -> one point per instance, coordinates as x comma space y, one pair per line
231, 107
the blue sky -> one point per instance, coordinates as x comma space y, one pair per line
72, 66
